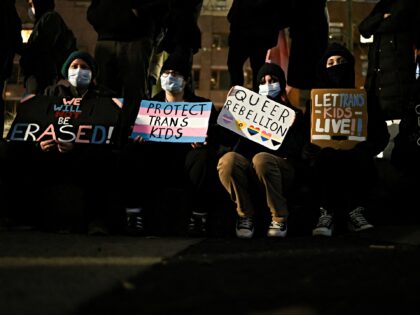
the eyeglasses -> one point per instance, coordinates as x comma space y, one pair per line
172, 72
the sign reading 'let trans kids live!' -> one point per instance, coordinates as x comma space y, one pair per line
338, 117
256, 117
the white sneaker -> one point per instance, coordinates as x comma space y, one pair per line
244, 227
277, 229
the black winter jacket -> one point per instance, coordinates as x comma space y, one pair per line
391, 68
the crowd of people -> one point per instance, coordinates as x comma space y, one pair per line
131, 184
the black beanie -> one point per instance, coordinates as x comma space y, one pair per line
177, 62
79, 55
273, 70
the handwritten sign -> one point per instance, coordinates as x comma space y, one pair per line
172, 121
338, 117
256, 117
77, 120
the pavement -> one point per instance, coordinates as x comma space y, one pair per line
370, 272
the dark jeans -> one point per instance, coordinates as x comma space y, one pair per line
237, 56
123, 67
343, 179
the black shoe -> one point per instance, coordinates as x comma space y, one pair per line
95, 228
134, 225
198, 224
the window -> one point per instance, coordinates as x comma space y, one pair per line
219, 41
220, 80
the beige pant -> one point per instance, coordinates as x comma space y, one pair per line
272, 173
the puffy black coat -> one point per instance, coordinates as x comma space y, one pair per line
391, 68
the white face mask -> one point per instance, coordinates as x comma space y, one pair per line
172, 84
80, 77
270, 90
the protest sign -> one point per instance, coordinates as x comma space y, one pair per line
185, 122
256, 117
338, 117
90, 120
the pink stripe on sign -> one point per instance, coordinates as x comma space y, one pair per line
185, 131
144, 112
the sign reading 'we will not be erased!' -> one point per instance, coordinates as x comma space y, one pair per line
256, 117
338, 117
185, 122
90, 120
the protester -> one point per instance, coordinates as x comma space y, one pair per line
391, 63
10, 28
181, 166
79, 174
251, 165
179, 33
354, 168
126, 31
254, 28
308, 32
49, 44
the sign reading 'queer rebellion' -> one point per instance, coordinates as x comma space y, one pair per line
90, 120
338, 117
256, 117
172, 121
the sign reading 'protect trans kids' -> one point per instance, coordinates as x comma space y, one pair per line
256, 117
338, 117
185, 122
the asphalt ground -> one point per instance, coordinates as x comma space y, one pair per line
373, 272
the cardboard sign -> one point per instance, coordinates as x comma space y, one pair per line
338, 117
256, 117
90, 120
185, 122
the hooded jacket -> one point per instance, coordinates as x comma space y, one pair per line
377, 133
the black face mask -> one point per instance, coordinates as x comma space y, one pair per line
340, 76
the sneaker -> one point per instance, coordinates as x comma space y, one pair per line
134, 225
325, 224
277, 229
95, 228
244, 227
198, 224
357, 222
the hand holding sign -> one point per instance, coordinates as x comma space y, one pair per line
172, 121
338, 117
256, 117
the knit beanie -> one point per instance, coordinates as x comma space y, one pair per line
179, 63
273, 70
79, 55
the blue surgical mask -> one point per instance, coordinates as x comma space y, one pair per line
171, 83
270, 90
80, 77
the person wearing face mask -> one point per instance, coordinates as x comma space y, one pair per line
93, 197
188, 168
79, 73
349, 199
250, 165
49, 44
